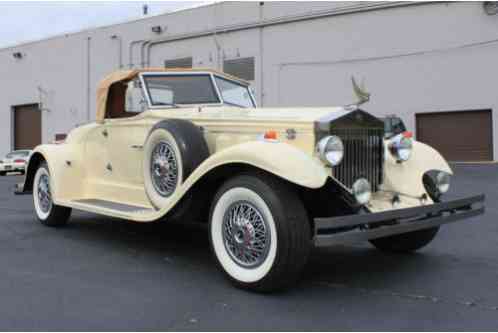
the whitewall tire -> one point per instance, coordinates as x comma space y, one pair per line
46, 210
259, 232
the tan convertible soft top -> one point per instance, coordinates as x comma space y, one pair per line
127, 75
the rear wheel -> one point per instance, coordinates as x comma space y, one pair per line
47, 212
3, 173
259, 232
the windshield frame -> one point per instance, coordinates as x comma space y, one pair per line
211, 75
248, 87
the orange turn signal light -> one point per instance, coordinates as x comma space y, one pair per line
408, 134
270, 135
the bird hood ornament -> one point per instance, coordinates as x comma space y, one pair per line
361, 94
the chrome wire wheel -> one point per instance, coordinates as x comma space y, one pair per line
164, 168
43, 193
246, 234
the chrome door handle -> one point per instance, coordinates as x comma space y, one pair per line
137, 146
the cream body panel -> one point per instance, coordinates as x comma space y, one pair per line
278, 158
67, 170
405, 179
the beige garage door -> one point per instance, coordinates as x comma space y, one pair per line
458, 136
27, 126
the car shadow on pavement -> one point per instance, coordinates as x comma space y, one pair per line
357, 265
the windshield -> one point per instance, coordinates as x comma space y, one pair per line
180, 89
234, 93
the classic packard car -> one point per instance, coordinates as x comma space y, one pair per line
176, 144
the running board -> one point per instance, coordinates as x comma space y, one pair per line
110, 208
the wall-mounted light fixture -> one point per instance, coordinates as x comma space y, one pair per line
17, 55
157, 29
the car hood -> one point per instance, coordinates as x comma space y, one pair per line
266, 115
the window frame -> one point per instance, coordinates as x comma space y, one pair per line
211, 75
248, 87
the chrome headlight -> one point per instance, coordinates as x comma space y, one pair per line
401, 147
331, 149
362, 191
436, 183
443, 181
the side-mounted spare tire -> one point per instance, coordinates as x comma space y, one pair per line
173, 149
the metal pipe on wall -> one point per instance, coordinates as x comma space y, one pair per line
143, 61
130, 51
276, 21
120, 49
88, 40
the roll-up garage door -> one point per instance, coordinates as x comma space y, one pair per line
458, 136
27, 126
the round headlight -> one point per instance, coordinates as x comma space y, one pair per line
401, 148
443, 181
331, 149
362, 191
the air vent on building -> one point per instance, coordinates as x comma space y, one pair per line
242, 68
178, 63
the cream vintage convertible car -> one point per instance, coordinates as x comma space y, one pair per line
271, 182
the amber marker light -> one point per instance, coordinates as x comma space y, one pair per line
271, 135
408, 134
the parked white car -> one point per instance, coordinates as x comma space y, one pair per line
15, 161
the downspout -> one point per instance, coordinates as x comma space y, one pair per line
216, 42
261, 57
88, 39
120, 49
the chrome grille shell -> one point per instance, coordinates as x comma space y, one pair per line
363, 156
363, 138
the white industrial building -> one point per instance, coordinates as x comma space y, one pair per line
434, 64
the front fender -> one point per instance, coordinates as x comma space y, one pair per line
406, 177
277, 158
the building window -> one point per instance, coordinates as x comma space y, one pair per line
242, 68
179, 63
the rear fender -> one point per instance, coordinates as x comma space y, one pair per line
65, 169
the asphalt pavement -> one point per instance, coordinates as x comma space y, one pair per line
99, 273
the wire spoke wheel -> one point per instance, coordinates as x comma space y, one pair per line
246, 234
43, 194
164, 168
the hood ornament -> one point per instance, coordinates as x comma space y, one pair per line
362, 95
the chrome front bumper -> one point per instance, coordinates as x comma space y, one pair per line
359, 227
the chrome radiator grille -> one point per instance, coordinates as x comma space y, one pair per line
363, 156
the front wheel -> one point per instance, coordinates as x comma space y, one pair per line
408, 242
47, 212
259, 232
